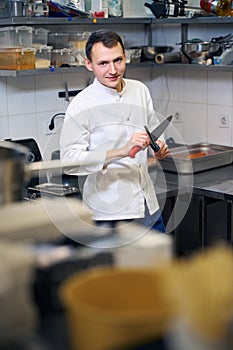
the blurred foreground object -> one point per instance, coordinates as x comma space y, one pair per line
112, 308
19, 317
188, 303
203, 292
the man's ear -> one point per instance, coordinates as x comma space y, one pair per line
88, 64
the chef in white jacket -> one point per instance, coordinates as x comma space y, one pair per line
104, 123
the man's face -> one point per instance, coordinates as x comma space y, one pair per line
108, 65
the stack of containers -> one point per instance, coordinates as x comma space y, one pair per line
61, 54
16, 51
43, 51
78, 44
68, 48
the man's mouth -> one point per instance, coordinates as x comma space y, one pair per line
115, 77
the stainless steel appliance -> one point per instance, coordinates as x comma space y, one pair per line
16, 187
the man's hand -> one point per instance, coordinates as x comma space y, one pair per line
163, 152
139, 139
138, 142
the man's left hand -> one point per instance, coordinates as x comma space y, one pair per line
163, 152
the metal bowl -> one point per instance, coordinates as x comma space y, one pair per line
200, 51
202, 46
149, 52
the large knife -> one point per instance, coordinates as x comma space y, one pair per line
154, 135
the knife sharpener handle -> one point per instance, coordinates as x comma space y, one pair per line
133, 151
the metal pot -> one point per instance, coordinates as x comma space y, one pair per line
199, 51
15, 172
200, 46
149, 52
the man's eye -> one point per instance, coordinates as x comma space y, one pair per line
103, 64
119, 60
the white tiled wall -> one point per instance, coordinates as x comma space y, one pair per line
217, 132
3, 94
197, 98
21, 97
4, 129
201, 98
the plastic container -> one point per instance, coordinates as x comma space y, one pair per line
112, 308
135, 54
77, 41
226, 58
99, 8
18, 8
13, 8
40, 37
17, 58
43, 56
5, 9
79, 57
62, 57
40, 9
58, 40
12, 37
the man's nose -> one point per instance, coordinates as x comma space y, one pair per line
112, 68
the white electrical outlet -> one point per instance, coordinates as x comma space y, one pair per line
223, 121
47, 130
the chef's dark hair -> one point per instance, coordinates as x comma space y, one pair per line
105, 36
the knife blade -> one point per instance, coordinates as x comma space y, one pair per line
154, 135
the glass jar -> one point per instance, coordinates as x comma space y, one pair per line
218, 7
223, 8
115, 8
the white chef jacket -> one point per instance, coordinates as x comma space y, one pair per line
99, 119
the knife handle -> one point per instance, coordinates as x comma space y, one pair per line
156, 147
136, 149
133, 151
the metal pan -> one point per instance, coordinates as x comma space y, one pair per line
197, 157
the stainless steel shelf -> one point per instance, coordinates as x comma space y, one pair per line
58, 70
195, 20
71, 20
63, 70
188, 66
148, 22
41, 71
111, 20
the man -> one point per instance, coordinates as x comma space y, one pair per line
103, 123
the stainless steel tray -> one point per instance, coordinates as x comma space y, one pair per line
197, 157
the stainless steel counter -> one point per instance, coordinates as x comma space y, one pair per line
216, 183
209, 205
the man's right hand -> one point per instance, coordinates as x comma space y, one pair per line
138, 142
